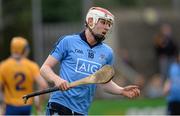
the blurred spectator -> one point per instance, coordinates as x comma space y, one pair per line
140, 81
124, 54
172, 88
138, 78
155, 87
165, 49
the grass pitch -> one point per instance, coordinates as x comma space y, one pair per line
119, 106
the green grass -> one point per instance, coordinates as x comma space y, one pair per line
119, 107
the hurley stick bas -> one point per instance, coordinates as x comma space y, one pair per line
103, 75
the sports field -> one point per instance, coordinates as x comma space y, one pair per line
127, 107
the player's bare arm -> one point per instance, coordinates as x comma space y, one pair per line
166, 87
131, 91
47, 72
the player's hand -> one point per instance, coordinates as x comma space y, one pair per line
131, 91
62, 84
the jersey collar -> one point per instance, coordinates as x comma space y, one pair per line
83, 37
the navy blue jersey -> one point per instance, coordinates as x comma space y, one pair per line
78, 60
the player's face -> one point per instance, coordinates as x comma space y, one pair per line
102, 27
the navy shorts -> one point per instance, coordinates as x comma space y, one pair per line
58, 109
18, 110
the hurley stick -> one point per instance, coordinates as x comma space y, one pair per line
103, 75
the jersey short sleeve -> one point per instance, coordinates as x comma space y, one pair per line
60, 49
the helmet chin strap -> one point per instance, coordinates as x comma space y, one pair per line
98, 37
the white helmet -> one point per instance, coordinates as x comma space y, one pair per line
99, 13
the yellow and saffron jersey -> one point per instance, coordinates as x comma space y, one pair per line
17, 78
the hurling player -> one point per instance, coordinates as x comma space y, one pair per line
18, 75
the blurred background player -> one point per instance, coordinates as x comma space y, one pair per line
172, 88
17, 77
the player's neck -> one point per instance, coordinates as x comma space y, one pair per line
90, 37
16, 56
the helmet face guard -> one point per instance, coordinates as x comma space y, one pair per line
97, 13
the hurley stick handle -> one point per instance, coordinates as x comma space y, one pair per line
37, 93
26, 97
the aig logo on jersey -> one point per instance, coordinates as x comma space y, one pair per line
86, 67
